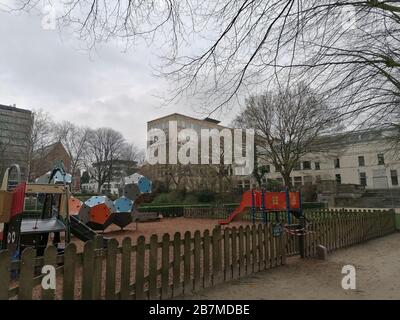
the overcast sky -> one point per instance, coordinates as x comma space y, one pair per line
46, 69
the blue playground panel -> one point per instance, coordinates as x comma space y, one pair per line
144, 185
95, 200
123, 204
59, 177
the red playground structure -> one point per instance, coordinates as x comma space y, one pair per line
267, 202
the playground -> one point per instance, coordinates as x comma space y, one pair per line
104, 249
376, 264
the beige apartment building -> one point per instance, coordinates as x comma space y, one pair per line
367, 157
194, 176
364, 157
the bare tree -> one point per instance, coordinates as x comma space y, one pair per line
5, 140
104, 146
75, 141
131, 152
42, 135
347, 48
288, 125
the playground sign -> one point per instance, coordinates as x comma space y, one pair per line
277, 229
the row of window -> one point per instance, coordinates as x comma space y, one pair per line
336, 163
363, 178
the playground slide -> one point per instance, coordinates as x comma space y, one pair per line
82, 231
235, 215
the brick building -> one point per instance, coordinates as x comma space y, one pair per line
44, 159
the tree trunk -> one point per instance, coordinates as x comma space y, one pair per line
286, 179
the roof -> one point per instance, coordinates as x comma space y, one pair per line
43, 151
12, 108
116, 162
214, 121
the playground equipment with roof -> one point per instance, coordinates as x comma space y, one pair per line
269, 202
61, 213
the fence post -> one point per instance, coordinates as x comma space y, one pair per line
125, 268
216, 255
165, 267
153, 262
248, 249
267, 247
4, 274
242, 270
206, 259
140, 254
187, 255
111, 268
197, 260
98, 264
177, 265
27, 266
235, 267
227, 262
69, 272
302, 240
87, 272
50, 258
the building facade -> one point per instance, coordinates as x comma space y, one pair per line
120, 170
191, 177
15, 136
368, 158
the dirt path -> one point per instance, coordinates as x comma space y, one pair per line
377, 266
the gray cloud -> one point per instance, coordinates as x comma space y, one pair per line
107, 87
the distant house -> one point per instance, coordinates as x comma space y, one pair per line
43, 161
120, 169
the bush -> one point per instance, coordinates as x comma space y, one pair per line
206, 196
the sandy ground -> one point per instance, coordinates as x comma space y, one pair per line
377, 264
166, 225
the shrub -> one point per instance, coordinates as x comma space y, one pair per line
206, 196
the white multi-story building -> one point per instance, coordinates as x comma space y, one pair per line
368, 158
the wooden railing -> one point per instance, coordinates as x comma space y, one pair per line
172, 266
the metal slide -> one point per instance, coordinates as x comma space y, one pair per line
82, 231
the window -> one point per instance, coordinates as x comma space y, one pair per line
267, 168
337, 163
361, 161
317, 166
306, 165
338, 178
393, 175
280, 180
307, 180
298, 181
318, 179
297, 166
381, 159
363, 179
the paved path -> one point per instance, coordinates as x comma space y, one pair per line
377, 264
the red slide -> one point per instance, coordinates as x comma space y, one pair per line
245, 203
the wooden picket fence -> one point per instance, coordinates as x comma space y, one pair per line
337, 229
171, 267
158, 269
